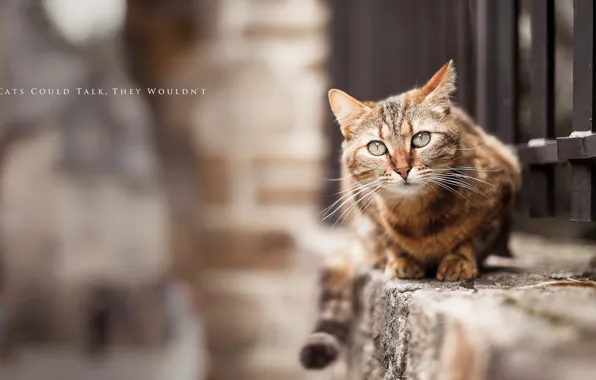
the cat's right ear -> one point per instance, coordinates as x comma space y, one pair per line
346, 109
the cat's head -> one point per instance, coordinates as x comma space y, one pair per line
396, 141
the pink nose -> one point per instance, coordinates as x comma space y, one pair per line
403, 172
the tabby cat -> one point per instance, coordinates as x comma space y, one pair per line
426, 191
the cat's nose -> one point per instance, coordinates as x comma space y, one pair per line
403, 172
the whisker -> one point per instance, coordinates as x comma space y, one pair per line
342, 202
466, 168
461, 175
338, 179
377, 190
477, 169
479, 146
349, 209
372, 199
435, 190
447, 177
465, 185
348, 192
351, 187
364, 188
444, 186
460, 183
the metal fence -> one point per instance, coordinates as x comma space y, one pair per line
384, 47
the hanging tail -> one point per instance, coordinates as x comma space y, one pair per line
336, 312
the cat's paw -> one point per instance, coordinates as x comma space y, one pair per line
403, 267
320, 350
456, 268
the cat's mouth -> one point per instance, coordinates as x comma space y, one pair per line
404, 188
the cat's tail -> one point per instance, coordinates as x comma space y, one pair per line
335, 315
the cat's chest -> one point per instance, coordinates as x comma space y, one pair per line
425, 234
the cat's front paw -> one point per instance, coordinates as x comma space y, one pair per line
403, 267
456, 268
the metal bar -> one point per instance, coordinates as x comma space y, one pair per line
583, 173
462, 50
543, 64
441, 38
486, 58
507, 85
542, 154
542, 91
391, 71
361, 66
497, 61
583, 59
578, 146
426, 55
583, 190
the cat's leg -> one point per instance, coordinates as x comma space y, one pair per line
336, 308
502, 242
402, 265
459, 264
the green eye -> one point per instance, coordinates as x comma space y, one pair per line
420, 139
377, 148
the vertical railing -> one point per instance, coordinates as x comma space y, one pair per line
497, 58
508, 86
462, 47
542, 175
580, 148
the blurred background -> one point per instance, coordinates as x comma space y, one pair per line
178, 235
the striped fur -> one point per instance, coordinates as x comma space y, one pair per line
438, 209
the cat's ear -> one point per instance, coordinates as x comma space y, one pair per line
438, 90
346, 109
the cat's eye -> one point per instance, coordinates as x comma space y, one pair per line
377, 148
420, 139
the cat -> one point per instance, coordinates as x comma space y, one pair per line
426, 191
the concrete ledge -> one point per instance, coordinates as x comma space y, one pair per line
533, 317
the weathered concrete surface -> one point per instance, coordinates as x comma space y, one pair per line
512, 323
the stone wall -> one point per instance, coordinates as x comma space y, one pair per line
531, 317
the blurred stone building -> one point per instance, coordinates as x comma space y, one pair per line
83, 209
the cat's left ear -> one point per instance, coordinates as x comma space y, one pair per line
345, 108
438, 90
